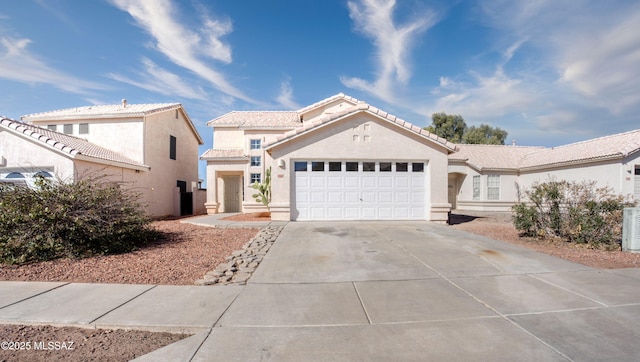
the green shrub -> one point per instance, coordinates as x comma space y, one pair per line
578, 212
54, 219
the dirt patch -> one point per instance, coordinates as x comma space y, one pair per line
185, 254
498, 226
45, 343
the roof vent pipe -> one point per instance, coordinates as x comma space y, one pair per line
124, 103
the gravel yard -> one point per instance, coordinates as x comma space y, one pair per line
185, 255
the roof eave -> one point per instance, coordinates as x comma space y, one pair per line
137, 167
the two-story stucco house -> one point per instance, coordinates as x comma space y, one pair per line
490, 178
338, 159
152, 148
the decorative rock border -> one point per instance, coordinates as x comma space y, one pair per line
239, 266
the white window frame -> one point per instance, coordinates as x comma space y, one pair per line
255, 144
476, 187
255, 177
493, 187
256, 161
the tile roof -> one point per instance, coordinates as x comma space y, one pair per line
226, 154
327, 101
109, 111
102, 111
257, 119
73, 146
492, 157
324, 119
489, 157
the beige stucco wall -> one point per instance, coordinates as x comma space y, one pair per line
160, 183
124, 135
615, 174
348, 139
25, 155
225, 137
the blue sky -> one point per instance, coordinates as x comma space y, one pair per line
549, 72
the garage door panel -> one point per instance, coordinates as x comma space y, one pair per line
401, 181
334, 182
368, 182
401, 197
318, 181
351, 181
335, 197
359, 195
385, 213
368, 196
369, 213
385, 182
385, 196
318, 197
351, 197
334, 213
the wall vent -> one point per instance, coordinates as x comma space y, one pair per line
631, 229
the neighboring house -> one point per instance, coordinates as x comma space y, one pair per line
491, 178
152, 148
338, 159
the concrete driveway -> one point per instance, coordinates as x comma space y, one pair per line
369, 291
416, 291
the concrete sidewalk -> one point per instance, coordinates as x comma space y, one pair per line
368, 291
218, 220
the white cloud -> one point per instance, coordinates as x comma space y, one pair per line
161, 81
285, 97
184, 46
393, 45
18, 64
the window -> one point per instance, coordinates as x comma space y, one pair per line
637, 171
417, 167
385, 166
476, 187
255, 161
172, 147
493, 187
68, 129
255, 177
368, 166
256, 144
52, 127
317, 166
300, 166
83, 128
402, 167
14, 175
351, 166
335, 166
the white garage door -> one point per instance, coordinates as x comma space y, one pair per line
357, 190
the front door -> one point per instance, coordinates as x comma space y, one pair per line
231, 193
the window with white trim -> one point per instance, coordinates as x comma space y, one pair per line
255, 144
67, 129
256, 161
83, 128
476, 187
255, 177
493, 187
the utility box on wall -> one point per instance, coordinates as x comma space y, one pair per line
631, 229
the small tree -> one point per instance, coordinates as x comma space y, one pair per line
448, 126
484, 134
264, 189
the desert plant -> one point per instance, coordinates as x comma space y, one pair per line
578, 212
264, 189
57, 219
